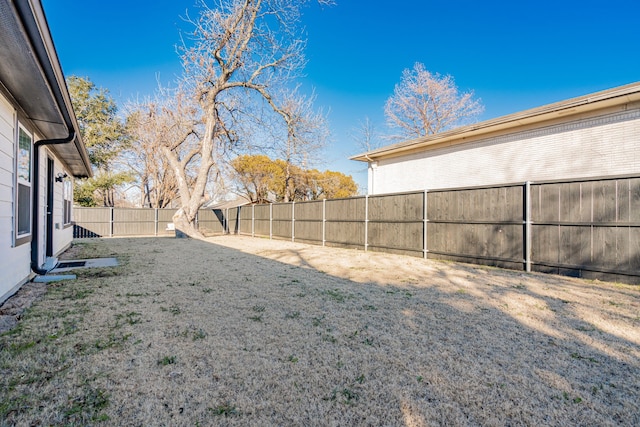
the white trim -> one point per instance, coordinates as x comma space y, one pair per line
18, 181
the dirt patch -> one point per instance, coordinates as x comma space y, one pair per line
11, 310
241, 331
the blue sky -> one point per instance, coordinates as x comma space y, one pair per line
513, 55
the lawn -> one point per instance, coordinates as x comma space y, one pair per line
241, 331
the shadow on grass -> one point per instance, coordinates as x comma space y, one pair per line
315, 336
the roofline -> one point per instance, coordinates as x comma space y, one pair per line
35, 24
595, 101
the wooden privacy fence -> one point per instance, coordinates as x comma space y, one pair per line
586, 228
119, 222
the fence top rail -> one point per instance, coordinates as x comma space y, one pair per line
347, 198
587, 179
520, 184
478, 187
402, 193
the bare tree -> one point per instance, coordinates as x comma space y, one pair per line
366, 136
424, 104
238, 55
306, 134
153, 124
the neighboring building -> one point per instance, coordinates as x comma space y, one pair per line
40, 147
596, 135
237, 200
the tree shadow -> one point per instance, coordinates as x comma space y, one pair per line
493, 335
433, 343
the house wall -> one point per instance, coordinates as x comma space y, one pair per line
15, 261
62, 236
602, 145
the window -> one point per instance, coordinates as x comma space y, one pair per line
23, 197
67, 196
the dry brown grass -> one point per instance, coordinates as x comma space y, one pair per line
241, 331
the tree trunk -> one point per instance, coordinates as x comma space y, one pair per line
147, 195
185, 225
287, 182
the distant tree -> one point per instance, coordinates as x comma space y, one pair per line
104, 135
306, 134
336, 185
257, 176
366, 136
84, 193
424, 104
264, 180
315, 185
106, 183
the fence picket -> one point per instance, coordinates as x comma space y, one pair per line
588, 228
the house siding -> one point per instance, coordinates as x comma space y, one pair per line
605, 145
14, 261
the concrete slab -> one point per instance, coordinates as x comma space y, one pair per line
54, 278
86, 263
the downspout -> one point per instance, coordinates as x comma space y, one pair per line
36, 195
370, 177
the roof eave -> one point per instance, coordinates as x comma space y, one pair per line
39, 88
600, 100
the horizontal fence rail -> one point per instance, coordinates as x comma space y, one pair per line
586, 228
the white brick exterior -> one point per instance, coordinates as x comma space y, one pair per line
601, 145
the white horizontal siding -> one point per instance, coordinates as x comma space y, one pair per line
6, 132
6, 152
14, 261
6, 194
602, 146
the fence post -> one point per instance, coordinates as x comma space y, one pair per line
527, 226
270, 221
236, 229
366, 222
111, 222
156, 220
324, 219
293, 221
253, 220
425, 249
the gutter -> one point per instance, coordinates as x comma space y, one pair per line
36, 196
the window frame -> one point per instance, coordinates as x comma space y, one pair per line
67, 200
23, 237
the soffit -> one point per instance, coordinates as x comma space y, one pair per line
23, 76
